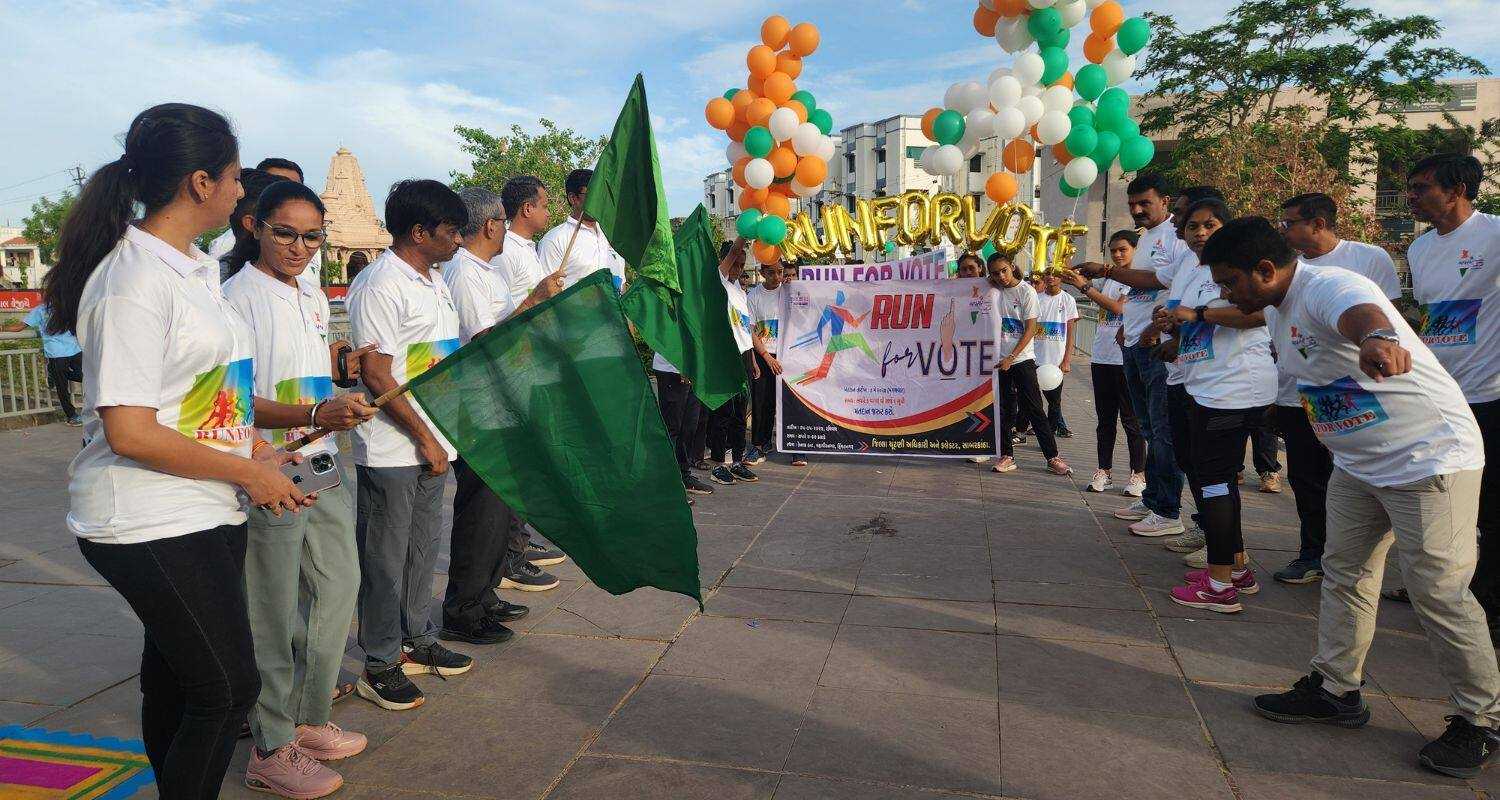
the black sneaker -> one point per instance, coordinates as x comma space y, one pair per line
1018, 438
721, 474
544, 556
389, 689
529, 578
695, 486
486, 630
1462, 751
1063, 432
742, 472
1308, 701
433, 659
507, 612
74, 421
703, 465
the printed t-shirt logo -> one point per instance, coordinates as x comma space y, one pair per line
1197, 342
1054, 330
1010, 326
303, 391
1303, 341
1467, 261
1340, 407
1449, 323
1141, 295
768, 329
218, 409
423, 356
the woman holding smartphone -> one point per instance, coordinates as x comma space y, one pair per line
169, 436
301, 572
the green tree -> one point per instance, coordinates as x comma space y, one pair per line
45, 223
549, 155
1399, 147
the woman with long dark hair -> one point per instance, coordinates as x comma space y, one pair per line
246, 247
169, 437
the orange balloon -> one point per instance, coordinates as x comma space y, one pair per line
1107, 18
803, 39
741, 101
1096, 47
1011, 8
927, 120
797, 107
1060, 152
1033, 133
737, 174
1018, 155
738, 130
774, 30
783, 189
756, 85
783, 161
779, 87
752, 198
760, 111
761, 61
719, 113
1001, 187
766, 253
1065, 80
777, 205
790, 64
811, 171
985, 21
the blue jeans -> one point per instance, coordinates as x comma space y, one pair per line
1146, 377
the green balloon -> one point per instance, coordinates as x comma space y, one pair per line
758, 142
770, 230
1059, 39
1128, 129
729, 94
1055, 60
1111, 118
1081, 115
1068, 190
1091, 81
948, 128
1133, 35
987, 251
1044, 23
1081, 140
806, 99
1113, 96
1136, 153
822, 119
1106, 150
746, 224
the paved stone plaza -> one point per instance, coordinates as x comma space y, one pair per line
875, 630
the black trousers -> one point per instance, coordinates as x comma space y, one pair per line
198, 675
1486, 581
1219, 437
726, 430
1112, 402
1054, 408
762, 406
1019, 390
1179, 414
680, 411
1308, 467
1263, 447
480, 552
59, 372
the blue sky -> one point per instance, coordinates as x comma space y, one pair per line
390, 80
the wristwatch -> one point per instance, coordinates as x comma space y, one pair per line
1198, 313
1381, 333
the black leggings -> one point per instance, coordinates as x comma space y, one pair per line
1179, 413
198, 675
1019, 383
1219, 437
763, 406
726, 430
680, 412
1308, 467
1111, 402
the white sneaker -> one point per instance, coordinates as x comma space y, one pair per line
1136, 486
1100, 481
1134, 511
1198, 559
1156, 525
979, 459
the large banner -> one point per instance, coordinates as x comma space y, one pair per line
887, 368
929, 265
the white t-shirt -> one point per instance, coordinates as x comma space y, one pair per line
1222, 367
290, 329
591, 252
1158, 249
765, 315
1393, 432
1009, 311
740, 320
1105, 350
1456, 278
520, 267
156, 332
480, 294
1186, 260
1364, 259
1054, 314
412, 319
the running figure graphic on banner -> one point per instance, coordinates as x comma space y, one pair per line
834, 317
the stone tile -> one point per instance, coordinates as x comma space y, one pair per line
641, 614
1091, 676
910, 612
594, 778
889, 556
707, 720
1238, 652
1273, 786
356, 791
73, 609
798, 563
770, 651
838, 579
928, 742
1125, 598
13, 593
1402, 663
61, 670
1083, 624
933, 584
797, 788
912, 661
564, 670
24, 713
1107, 756
116, 712
1095, 566
542, 604
732, 601
64, 565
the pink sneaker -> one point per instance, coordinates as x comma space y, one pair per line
1059, 466
1244, 583
1200, 595
1005, 464
289, 772
329, 742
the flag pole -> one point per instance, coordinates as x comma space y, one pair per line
321, 432
571, 239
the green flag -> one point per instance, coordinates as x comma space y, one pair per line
552, 410
627, 198
691, 331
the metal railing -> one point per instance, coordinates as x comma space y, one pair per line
1085, 328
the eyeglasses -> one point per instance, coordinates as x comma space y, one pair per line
1287, 223
285, 236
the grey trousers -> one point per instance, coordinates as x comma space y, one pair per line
398, 522
1433, 522
301, 580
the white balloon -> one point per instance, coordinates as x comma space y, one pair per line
1072, 12
1053, 127
807, 139
1013, 35
1005, 91
1057, 98
1048, 377
953, 98
1008, 123
783, 124
925, 160
1031, 109
974, 95
808, 191
977, 127
948, 160
1032, 90
1040, 3
1118, 66
735, 151
1028, 68
759, 173
996, 74
1093, 4
826, 149
1080, 173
